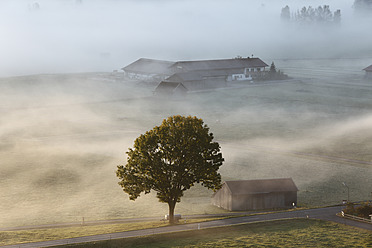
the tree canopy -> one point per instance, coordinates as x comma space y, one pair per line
308, 15
170, 159
286, 13
272, 68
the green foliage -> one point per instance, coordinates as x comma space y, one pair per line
272, 68
272, 74
309, 15
350, 209
364, 210
170, 159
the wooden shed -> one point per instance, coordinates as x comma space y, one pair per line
368, 71
256, 194
170, 89
200, 80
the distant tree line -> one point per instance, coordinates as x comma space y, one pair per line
363, 6
273, 74
309, 15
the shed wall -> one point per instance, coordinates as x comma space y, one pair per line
223, 198
368, 74
207, 83
263, 201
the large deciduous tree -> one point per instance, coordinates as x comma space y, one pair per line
170, 159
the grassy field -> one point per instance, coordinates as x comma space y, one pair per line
45, 234
62, 136
288, 233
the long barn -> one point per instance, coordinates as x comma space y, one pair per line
197, 74
256, 194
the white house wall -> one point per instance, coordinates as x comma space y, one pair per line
240, 77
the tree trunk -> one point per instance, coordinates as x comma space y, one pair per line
172, 206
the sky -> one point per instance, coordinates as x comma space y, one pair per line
63, 36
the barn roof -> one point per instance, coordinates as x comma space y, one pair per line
244, 187
149, 66
219, 64
206, 67
170, 87
369, 68
199, 75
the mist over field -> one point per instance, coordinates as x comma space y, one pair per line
63, 132
61, 142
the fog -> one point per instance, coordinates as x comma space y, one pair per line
62, 135
96, 35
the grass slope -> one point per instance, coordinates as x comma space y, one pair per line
46, 234
287, 233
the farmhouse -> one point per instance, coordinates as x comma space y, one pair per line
256, 194
196, 75
233, 69
368, 71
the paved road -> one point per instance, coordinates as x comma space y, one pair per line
320, 213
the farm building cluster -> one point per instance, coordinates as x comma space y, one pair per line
178, 78
246, 195
182, 76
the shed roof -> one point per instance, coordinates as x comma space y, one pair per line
219, 64
170, 87
369, 68
244, 187
149, 66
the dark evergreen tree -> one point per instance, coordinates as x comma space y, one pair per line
272, 68
321, 15
337, 17
286, 14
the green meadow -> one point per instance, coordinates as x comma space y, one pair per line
288, 233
